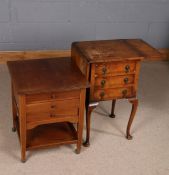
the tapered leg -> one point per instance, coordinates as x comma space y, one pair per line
112, 115
81, 120
14, 115
132, 115
80, 132
89, 109
22, 124
14, 112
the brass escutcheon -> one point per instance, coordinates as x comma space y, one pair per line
127, 68
103, 83
52, 115
104, 70
126, 80
53, 96
53, 106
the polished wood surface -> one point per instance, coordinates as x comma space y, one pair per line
37, 98
113, 93
112, 67
47, 96
115, 78
22, 126
43, 54
115, 68
115, 81
115, 50
51, 135
36, 76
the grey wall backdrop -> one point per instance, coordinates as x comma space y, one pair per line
54, 24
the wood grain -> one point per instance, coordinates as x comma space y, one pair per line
40, 54
22, 129
51, 135
43, 76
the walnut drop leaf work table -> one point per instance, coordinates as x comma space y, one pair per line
48, 97
112, 67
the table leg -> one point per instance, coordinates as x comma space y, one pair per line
112, 115
14, 115
22, 124
80, 132
134, 103
89, 108
81, 120
14, 112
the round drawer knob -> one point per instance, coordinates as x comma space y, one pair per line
126, 80
53, 106
104, 70
53, 96
102, 94
103, 83
52, 115
127, 68
124, 92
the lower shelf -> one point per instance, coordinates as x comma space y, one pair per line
51, 134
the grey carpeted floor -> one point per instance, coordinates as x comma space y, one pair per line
110, 152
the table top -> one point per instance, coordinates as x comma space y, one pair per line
46, 75
116, 50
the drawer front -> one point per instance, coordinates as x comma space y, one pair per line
35, 98
115, 68
50, 110
113, 82
116, 93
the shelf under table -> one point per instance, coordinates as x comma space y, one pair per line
50, 135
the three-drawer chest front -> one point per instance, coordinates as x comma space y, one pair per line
114, 80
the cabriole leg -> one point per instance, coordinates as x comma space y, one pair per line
134, 103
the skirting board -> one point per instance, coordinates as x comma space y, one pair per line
40, 54
27, 55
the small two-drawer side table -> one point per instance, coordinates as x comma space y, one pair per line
112, 67
48, 99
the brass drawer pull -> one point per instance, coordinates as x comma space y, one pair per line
126, 80
53, 96
103, 83
104, 70
52, 115
53, 106
127, 68
124, 92
102, 94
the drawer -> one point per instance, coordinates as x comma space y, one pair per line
115, 68
114, 81
51, 96
115, 93
50, 110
